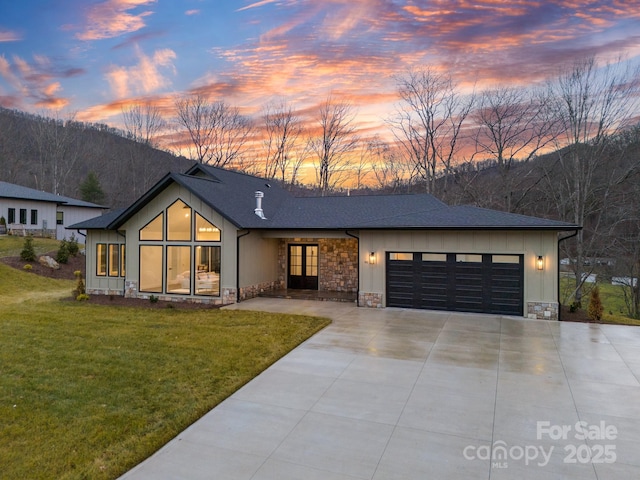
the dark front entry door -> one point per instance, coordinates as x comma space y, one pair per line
303, 267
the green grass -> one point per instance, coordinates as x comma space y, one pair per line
11, 245
88, 391
612, 297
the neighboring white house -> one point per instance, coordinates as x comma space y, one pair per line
30, 211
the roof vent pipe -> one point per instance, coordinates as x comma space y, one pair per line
258, 211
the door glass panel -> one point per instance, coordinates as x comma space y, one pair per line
153, 229
295, 260
312, 261
505, 259
434, 257
179, 222
178, 270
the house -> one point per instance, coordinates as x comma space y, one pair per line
216, 236
30, 211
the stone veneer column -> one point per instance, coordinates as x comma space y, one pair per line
543, 310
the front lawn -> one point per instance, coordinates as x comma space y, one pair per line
89, 391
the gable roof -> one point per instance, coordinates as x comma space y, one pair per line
232, 194
10, 190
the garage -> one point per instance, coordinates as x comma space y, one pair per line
471, 282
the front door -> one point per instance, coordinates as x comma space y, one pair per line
303, 267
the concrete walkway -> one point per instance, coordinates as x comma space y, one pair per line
404, 394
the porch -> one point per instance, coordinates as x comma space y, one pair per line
319, 295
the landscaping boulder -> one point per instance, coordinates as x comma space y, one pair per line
47, 261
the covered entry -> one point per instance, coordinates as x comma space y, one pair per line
482, 283
303, 267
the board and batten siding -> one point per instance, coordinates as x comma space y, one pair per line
539, 286
100, 284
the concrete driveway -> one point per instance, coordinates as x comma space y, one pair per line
405, 394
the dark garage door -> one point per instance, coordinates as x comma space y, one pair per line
459, 282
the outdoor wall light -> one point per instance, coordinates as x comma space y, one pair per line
372, 258
540, 262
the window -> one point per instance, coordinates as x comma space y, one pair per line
400, 256
207, 270
295, 260
12, 215
34, 217
122, 262
178, 269
153, 229
186, 268
151, 268
23, 216
206, 231
312, 261
101, 259
434, 257
179, 222
505, 259
468, 258
114, 260
59, 218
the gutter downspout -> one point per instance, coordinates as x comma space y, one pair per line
358, 280
558, 257
238, 264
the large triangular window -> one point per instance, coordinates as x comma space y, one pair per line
179, 222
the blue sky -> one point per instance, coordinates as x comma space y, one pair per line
93, 58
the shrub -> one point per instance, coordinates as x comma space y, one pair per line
80, 287
28, 253
83, 297
28, 267
153, 299
63, 252
72, 245
595, 308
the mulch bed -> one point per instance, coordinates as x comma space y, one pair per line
66, 272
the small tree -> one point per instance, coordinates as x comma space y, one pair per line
80, 286
91, 190
595, 308
28, 253
63, 252
72, 245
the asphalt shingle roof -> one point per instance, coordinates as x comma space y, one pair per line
232, 194
10, 190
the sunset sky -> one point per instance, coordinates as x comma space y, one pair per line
91, 58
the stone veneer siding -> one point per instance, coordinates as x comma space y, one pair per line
542, 310
337, 263
371, 300
253, 291
227, 295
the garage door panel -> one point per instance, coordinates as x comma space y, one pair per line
460, 282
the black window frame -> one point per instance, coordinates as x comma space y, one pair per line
34, 216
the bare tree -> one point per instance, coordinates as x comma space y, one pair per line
217, 131
143, 123
428, 122
389, 168
591, 105
335, 141
283, 128
58, 146
512, 126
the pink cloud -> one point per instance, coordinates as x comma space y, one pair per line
144, 77
9, 36
113, 18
